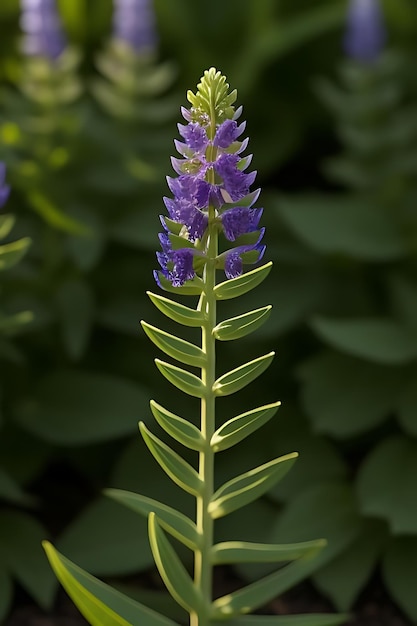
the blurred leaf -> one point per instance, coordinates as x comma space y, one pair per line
20, 542
108, 539
404, 299
343, 225
337, 400
398, 570
76, 307
86, 249
6, 224
54, 216
76, 407
375, 339
386, 484
160, 601
11, 491
344, 577
407, 404
11, 253
138, 228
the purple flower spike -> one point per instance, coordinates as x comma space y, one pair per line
41, 24
4, 189
365, 35
134, 23
211, 192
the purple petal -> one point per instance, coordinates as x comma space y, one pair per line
235, 182
240, 220
365, 35
195, 136
226, 134
233, 264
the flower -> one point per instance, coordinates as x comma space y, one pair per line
4, 189
40, 22
134, 24
211, 192
365, 34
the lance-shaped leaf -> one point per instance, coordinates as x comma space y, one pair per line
242, 284
318, 619
177, 469
6, 224
257, 594
177, 312
192, 287
242, 325
238, 378
172, 571
248, 486
186, 381
180, 429
100, 604
174, 522
239, 427
11, 253
247, 552
173, 346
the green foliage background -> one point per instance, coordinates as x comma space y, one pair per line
336, 151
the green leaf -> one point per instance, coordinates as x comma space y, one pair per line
182, 430
86, 248
76, 308
290, 620
237, 379
336, 399
100, 604
192, 287
6, 225
257, 594
20, 546
174, 522
343, 225
76, 407
246, 552
177, 312
242, 325
11, 253
53, 215
185, 381
380, 340
248, 486
236, 429
386, 484
172, 571
399, 569
343, 578
176, 348
242, 284
407, 403
177, 469
118, 547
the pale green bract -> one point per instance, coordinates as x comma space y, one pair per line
103, 606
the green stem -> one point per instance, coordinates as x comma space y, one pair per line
202, 565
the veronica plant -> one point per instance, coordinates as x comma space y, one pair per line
212, 226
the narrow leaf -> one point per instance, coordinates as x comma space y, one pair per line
239, 427
174, 522
177, 469
248, 486
177, 312
192, 287
186, 381
238, 378
11, 253
242, 325
180, 429
172, 571
242, 284
247, 552
173, 346
6, 224
100, 604
257, 594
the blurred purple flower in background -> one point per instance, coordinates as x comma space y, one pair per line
42, 27
4, 189
365, 34
134, 24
